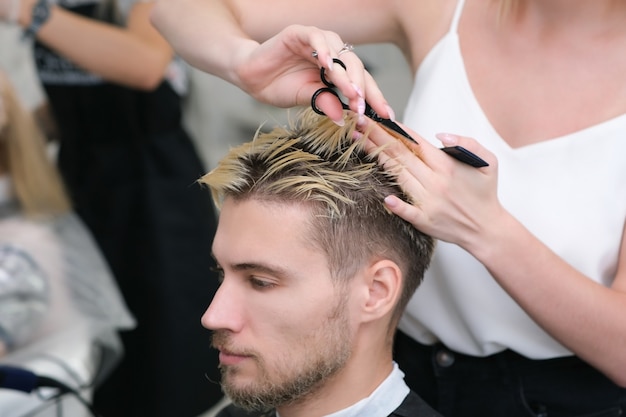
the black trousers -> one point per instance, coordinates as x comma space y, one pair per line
506, 384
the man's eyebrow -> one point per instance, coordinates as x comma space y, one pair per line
260, 267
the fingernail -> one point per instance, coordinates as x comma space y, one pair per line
392, 114
448, 139
390, 201
361, 121
356, 135
361, 106
339, 122
330, 64
357, 89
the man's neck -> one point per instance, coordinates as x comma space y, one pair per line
352, 384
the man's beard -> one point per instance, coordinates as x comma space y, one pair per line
294, 378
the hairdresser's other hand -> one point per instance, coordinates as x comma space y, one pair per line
452, 201
283, 72
17, 11
9, 10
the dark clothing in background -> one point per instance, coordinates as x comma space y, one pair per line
131, 169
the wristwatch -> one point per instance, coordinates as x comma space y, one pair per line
41, 13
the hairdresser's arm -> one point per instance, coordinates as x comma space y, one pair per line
136, 56
459, 204
213, 34
244, 42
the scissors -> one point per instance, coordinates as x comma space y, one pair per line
457, 152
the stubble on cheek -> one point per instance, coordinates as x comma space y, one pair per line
294, 376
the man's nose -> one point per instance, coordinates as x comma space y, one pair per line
225, 310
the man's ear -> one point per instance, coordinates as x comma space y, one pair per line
384, 287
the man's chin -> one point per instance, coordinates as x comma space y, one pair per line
245, 395
240, 377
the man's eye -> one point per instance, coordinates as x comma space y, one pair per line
260, 283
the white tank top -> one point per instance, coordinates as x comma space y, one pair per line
569, 191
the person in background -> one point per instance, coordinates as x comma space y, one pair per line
60, 308
313, 282
521, 311
114, 89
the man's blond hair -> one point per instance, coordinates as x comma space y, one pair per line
317, 163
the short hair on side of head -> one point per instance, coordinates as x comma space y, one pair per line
314, 162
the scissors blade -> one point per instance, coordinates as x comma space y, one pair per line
457, 152
388, 123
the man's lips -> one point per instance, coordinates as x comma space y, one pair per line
231, 358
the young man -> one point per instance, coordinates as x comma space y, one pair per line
316, 273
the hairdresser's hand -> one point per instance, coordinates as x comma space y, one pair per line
9, 10
283, 72
451, 201
17, 11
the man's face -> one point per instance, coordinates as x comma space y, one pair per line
282, 327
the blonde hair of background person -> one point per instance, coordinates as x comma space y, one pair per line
533, 263
36, 181
315, 274
60, 307
39, 193
116, 90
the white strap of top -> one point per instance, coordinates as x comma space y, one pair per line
457, 16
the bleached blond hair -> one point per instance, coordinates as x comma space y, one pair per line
314, 162
35, 179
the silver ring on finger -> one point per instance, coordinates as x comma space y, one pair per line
347, 47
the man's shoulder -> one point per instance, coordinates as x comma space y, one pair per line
234, 411
414, 406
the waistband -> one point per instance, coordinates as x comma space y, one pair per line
446, 360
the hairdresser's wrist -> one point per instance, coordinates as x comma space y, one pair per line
25, 12
35, 14
497, 238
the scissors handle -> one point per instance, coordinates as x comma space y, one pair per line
325, 90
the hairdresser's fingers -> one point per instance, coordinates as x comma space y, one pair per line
399, 156
375, 98
329, 104
392, 145
409, 211
353, 81
9, 10
283, 72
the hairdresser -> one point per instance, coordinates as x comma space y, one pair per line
522, 310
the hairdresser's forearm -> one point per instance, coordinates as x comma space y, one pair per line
215, 35
582, 314
204, 33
